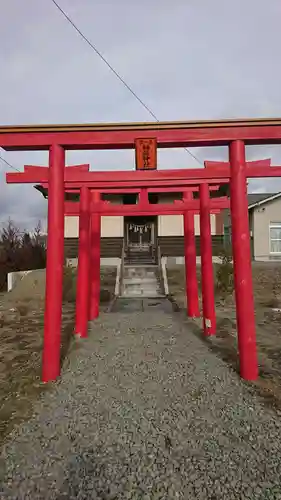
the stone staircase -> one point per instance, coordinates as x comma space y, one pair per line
141, 281
140, 257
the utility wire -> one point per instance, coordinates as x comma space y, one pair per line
94, 48
9, 164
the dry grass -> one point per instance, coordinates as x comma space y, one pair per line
20, 360
107, 285
267, 295
21, 332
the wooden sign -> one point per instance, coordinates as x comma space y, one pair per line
146, 154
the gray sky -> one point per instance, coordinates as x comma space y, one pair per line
187, 59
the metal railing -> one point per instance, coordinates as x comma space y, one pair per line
120, 273
162, 271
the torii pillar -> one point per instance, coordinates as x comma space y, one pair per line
207, 272
95, 259
241, 247
54, 268
83, 272
191, 283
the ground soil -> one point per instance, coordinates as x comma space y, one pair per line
267, 297
21, 332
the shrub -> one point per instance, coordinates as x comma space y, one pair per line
224, 272
20, 251
105, 295
22, 309
69, 284
275, 300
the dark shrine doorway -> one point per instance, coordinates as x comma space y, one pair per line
140, 232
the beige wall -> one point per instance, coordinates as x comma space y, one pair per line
261, 218
71, 227
113, 226
172, 225
168, 225
110, 227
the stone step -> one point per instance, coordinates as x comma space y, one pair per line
139, 271
142, 286
139, 257
138, 263
141, 281
134, 262
142, 274
139, 290
143, 296
134, 291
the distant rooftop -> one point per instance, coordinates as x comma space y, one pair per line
257, 197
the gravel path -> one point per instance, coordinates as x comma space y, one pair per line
145, 411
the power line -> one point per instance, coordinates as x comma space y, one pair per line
94, 48
9, 164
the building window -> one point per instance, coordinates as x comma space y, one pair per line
275, 237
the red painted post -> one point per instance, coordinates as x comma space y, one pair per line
207, 272
95, 261
83, 278
191, 283
54, 268
241, 248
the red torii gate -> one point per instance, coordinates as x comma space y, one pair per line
233, 133
91, 206
188, 207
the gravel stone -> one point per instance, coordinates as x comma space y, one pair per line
144, 410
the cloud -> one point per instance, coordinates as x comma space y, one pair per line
186, 60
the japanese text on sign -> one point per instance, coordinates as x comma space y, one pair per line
146, 154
